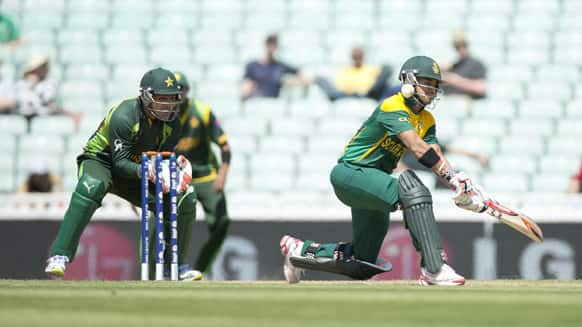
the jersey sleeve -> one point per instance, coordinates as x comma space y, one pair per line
249, 71
122, 142
395, 122
430, 136
216, 132
290, 69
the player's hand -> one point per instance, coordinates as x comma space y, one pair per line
184, 173
218, 185
468, 196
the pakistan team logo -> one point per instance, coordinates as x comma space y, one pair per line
117, 145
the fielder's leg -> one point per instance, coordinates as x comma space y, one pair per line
215, 215
93, 184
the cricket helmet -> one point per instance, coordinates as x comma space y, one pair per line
160, 82
423, 67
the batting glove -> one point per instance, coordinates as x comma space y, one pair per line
468, 196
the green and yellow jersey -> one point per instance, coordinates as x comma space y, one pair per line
200, 128
376, 144
126, 132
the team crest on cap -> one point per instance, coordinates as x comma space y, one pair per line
169, 82
435, 68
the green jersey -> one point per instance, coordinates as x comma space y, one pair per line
126, 132
376, 144
200, 128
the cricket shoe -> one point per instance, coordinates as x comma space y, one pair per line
56, 266
444, 277
187, 274
291, 246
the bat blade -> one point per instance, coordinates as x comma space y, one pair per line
516, 220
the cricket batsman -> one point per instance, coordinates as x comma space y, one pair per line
200, 128
110, 163
362, 180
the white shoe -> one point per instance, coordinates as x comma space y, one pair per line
56, 266
187, 274
291, 246
445, 277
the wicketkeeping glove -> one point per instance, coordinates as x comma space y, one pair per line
183, 170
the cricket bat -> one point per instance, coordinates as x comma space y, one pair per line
514, 219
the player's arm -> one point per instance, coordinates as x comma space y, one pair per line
429, 155
219, 137
467, 195
121, 143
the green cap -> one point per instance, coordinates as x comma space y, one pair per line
421, 66
182, 79
160, 81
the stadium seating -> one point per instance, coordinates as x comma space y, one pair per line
100, 49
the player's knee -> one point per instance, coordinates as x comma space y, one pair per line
411, 190
91, 187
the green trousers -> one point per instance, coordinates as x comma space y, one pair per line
372, 194
216, 218
95, 181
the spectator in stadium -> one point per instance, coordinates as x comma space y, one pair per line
41, 180
36, 92
110, 163
358, 79
266, 76
467, 75
7, 95
576, 182
9, 32
361, 180
201, 128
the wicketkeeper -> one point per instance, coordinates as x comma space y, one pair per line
110, 163
361, 180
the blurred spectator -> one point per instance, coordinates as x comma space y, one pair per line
9, 32
467, 75
266, 76
40, 180
36, 92
357, 80
7, 94
576, 182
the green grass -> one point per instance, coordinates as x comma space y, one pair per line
359, 304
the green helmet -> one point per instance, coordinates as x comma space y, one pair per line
182, 80
157, 82
424, 67
183, 83
421, 66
